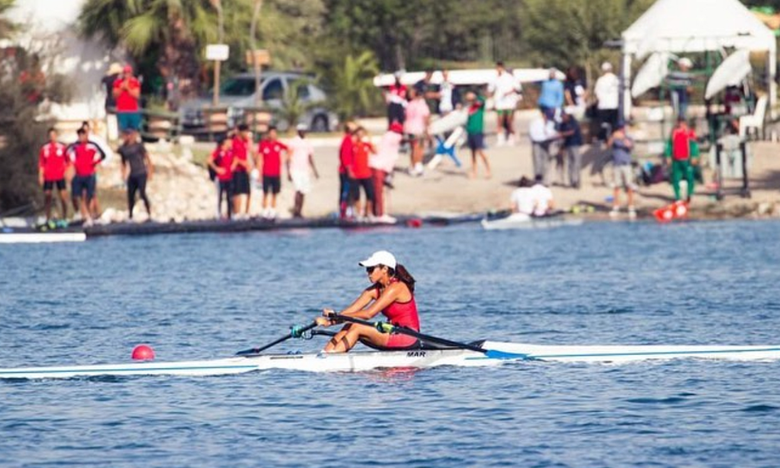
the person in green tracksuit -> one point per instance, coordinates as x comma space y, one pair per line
683, 148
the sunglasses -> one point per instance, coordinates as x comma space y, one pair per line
371, 269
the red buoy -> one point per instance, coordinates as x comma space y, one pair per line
143, 352
414, 222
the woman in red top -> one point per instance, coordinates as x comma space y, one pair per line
392, 294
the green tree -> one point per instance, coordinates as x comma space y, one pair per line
352, 88
6, 26
569, 32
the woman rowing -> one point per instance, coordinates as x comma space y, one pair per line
392, 294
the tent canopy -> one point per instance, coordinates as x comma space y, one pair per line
696, 26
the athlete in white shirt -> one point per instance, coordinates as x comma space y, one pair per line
506, 92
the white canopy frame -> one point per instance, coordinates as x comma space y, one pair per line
687, 26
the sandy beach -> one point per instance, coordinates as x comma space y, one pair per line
181, 189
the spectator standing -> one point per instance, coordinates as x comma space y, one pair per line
221, 162
680, 84
269, 158
429, 91
52, 166
137, 170
621, 146
571, 132
382, 164
684, 151
542, 134
107, 83
362, 176
85, 156
346, 155
607, 91
475, 132
242, 191
300, 159
127, 92
395, 97
575, 92
448, 95
416, 127
551, 95
106, 153
506, 92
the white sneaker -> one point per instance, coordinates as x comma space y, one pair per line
386, 219
500, 139
511, 140
631, 212
615, 211
419, 169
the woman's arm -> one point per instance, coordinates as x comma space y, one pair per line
391, 294
363, 300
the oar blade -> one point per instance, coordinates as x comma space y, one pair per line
496, 354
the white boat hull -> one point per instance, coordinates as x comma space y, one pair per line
523, 221
364, 361
41, 238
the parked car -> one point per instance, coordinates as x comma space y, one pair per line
237, 93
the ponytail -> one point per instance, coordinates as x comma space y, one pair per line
403, 275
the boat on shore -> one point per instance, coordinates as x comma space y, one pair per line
524, 221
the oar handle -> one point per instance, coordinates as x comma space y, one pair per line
385, 327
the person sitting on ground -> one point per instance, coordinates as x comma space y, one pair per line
542, 198
623, 176
523, 198
300, 158
53, 164
137, 170
391, 293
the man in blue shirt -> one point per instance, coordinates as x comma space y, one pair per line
551, 95
570, 130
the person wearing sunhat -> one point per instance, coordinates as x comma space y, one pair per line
127, 92
112, 74
392, 294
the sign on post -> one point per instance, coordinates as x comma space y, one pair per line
217, 52
258, 57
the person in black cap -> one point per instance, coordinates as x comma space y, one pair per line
137, 169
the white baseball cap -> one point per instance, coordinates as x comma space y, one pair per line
302, 127
686, 62
606, 66
381, 257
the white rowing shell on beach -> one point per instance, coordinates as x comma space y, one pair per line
414, 359
524, 221
40, 237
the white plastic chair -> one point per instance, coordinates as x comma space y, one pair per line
755, 120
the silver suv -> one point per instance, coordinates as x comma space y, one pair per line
238, 93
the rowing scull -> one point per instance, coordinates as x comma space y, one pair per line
415, 359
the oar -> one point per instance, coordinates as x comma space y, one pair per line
295, 332
385, 327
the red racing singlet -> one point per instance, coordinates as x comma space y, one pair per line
402, 313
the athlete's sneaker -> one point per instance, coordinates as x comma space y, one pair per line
511, 140
500, 139
386, 219
631, 212
615, 211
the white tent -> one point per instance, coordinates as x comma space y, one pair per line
684, 26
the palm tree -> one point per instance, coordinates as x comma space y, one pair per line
353, 89
178, 29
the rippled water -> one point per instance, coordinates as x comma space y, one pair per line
201, 296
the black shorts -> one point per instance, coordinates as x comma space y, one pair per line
79, 184
240, 183
475, 141
272, 184
368, 189
49, 184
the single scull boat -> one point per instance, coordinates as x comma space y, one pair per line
435, 352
